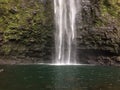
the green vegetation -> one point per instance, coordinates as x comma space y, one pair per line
110, 13
26, 25
111, 7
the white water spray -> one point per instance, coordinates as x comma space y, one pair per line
65, 37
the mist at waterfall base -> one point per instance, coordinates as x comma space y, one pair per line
46, 77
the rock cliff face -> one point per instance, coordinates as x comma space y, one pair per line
99, 37
27, 31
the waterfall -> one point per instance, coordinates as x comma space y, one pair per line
65, 36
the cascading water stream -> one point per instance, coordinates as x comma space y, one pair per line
65, 37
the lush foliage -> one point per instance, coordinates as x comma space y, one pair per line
25, 25
110, 11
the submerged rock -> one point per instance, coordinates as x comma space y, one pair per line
1, 70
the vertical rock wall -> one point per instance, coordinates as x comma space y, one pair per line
26, 29
99, 38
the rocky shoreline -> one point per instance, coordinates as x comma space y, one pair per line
106, 61
90, 60
19, 61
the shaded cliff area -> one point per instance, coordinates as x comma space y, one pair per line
27, 31
99, 36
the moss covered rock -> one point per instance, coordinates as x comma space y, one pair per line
26, 27
100, 32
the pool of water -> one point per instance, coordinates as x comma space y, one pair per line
50, 77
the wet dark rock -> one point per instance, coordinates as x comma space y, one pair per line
13, 11
118, 59
1, 70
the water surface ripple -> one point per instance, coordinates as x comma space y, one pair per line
51, 77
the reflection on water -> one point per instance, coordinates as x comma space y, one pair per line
45, 77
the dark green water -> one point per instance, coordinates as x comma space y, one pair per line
45, 77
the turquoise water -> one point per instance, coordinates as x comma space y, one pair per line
46, 77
